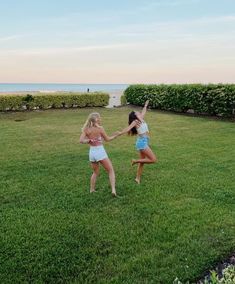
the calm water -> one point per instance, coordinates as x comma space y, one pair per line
62, 87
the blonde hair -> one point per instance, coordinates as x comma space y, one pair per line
91, 120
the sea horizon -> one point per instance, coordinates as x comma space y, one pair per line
58, 87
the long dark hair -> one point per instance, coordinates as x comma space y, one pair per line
132, 117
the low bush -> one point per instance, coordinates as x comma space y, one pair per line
123, 100
228, 277
58, 100
212, 99
10, 102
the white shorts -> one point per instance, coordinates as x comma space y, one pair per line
97, 153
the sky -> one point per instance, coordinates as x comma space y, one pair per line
125, 41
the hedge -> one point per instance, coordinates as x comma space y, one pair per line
56, 100
212, 99
123, 100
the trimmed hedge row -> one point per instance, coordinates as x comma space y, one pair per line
123, 100
56, 100
212, 99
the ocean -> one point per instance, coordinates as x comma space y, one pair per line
15, 87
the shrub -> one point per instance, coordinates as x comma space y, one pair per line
228, 277
10, 102
59, 100
123, 100
211, 99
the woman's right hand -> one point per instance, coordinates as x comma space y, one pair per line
138, 122
117, 133
146, 103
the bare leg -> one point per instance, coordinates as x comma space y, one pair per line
140, 168
107, 164
95, 167
150, 157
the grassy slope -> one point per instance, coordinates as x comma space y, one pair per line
179, 222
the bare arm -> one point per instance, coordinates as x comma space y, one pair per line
108, 138
127, 129
83, 138
144, 109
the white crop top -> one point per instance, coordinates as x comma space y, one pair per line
143, 128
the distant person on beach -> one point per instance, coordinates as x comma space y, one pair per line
93, 134
137, 126
88, 90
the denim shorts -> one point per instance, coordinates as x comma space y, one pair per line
142, 142
97, 153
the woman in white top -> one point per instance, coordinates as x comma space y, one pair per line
137, 126
94, 134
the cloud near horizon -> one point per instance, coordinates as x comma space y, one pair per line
164, 44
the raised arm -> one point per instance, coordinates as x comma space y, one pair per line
144, 109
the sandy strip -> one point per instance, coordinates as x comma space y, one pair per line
115, 98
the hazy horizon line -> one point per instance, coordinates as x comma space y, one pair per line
133, 83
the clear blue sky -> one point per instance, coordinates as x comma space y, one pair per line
129, 41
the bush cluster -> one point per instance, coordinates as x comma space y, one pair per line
228, 277
212, 99
123, 100
56, 100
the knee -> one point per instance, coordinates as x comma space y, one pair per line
110, 172
154, 159
96, 173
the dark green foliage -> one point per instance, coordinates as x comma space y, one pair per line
59, 100
28, 98
201, 99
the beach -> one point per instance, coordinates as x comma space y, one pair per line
115, 99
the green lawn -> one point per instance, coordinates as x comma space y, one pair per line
178, 223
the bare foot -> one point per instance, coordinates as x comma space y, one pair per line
137, 180
93, 190
114, 194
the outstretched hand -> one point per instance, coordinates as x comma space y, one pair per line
117, 133
146, 103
